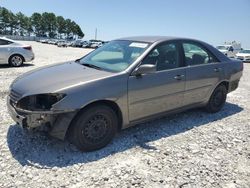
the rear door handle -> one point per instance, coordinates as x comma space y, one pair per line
179, 77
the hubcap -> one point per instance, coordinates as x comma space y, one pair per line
16, 60
96, 128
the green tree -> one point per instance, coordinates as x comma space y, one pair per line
45, 24
1, 21
12, 22
22, 23
8, 21
68, 27
37, 24
61, 25
29, 26
79, 31
49, 21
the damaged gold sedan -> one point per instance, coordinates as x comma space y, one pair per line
120, 84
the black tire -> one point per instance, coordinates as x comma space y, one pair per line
16, 60
217, 99
93, 128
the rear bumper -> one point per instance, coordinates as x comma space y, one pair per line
233, 85
29, 56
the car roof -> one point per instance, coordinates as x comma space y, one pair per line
153, 39
159, 39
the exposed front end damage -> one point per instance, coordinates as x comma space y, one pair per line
36, 113
49, 98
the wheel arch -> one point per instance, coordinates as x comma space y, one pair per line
212, 107
225, 83
11, 55
222, 82
113, 105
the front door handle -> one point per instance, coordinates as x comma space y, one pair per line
217, 69
179, 77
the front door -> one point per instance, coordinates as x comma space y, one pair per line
4, 51
161, 91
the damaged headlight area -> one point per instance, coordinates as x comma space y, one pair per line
40, 102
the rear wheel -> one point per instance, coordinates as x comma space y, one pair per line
16, 60
93, 128
217, 99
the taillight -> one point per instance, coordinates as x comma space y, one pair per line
27, 48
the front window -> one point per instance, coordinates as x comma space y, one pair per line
164, 56
222, 48
5, 42
115, 56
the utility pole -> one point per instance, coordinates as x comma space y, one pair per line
95, 33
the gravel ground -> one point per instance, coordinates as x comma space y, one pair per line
190, 149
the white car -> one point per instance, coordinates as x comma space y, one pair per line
95, 44
230, 49
14, 53
244, 55
62, 43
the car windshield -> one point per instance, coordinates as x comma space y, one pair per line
115, 56
222, 48
245, 51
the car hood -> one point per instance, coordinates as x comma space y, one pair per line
54, 78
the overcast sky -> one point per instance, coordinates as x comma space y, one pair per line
213, 21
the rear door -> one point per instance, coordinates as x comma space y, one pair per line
203, 72
161, 91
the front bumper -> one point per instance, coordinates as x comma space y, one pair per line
244, 59
19, 119
55, 124
29, 120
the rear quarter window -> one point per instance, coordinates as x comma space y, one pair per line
4, 42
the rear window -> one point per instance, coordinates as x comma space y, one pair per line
196, 55
5, 42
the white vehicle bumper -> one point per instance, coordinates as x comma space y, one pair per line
244, 59
29, 56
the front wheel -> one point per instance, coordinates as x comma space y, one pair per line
93, 128
217, 99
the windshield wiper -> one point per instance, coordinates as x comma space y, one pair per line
91, 66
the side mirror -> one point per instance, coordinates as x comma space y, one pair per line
144, 69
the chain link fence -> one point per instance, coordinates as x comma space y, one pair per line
26, 38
